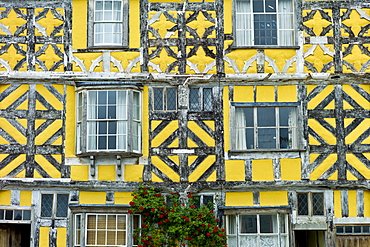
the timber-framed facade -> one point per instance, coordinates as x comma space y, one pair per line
262, 104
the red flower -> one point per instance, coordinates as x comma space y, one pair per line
144, 226
141, 208
161, 216
129, 211
166, 220
187, 219
184, 217
160, 223
144, 192
223, 230
192, 206
217, 220
189, 196
153, 209
221, 235
175, 204
144, 188
208, 234
188, 238
215, 230
183, 244
203, 225
132, 203
209, 225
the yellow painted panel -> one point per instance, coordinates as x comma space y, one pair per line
12, 21
165, 169
212, 177
355, 134
280, 57
47, 166
352, 203
265, 94
358, 165
201, 24
162, 60
129, 62
21, 139
318, 23
70, 125
350, 176
290, 169
202, 61
228, 22
49, 57
337, 204
134, 173
122, 197
61, 237
325, 165
36, 174
366, 203
12, 165
21, 174
273, 198
13, 96
241, 56
207, 139
320, 97
210, 124
92, 197
365, 87
202, 168
25, 198
145, 122
155, 178
324, 133
262, 170
334, 176
44, 92
44, 236
134, 41
235, 170
243, 93
79, 32
320, 56
287, 93
80, 172
106, 172
356, 58
356, 21
87, 60
234, 199
165, 133
5, 197
226, 107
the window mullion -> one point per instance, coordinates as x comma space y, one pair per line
129, 119
255, 124
277, 127
258, 231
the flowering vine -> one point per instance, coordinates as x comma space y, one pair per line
169, 221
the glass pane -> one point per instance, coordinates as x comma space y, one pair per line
269, 241
121, 238
194, 99
348, 229
102, 221
112, 112
266, 138
2, 214
283, 241
266, 117
112, 127
98, 5
318, 203
111, 222
231, 224
248, 223
357, 229
112, 97
91, 237
102, 142
136, 110
26, 215
111, 237
9, 214
258, 5
121, 222
270, 6
244, 117
17, 215
112, 142
101, 237
91, 222
268, 224
62, 205
287, 116
102, 112
265, 29
102, 97
365, 229
46, 205
282, 220
243, 6
248, 241
102, 128
286, 137
158, 99
231, 241
171, 99
302, 199
207, 99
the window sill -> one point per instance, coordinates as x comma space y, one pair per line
296, 47
265, 153
109, 153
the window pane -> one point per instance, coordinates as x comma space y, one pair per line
318, 203
208, 200
102, 112
171, 99
26, 215
268, 224
270, 6
136, 110
267, 138
248, 223
17, 215
287, 116
62, 205
102, 97
112, 142
112, 127
2, 214
158, 99
266, 117
244, 117
232, 224
248, 241
302, 199
265, 29
9, 214
102, 142
102, 128
194, 99
258, 5
286, 136
269, 241
207, 99
46, 205
282, 219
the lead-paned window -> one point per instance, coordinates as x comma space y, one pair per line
108, 23
54, 205
266, 128
164, 99
113, 121
200, 99
264, 22
257, 230
310, 203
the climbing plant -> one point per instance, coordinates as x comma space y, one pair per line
174, 220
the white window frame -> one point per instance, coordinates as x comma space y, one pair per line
122, 21
239, 141
244, 23
80, 231
131, 117
238, 234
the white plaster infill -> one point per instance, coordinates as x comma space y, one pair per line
352, 220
